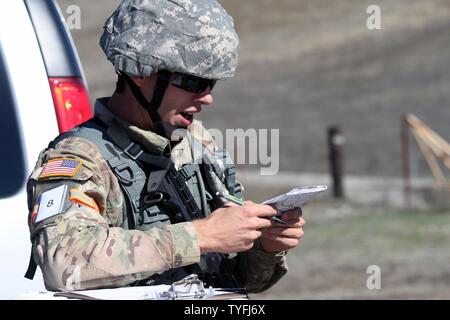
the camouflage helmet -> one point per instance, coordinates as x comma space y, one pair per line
195, 37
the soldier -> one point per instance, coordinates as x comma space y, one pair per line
120, 201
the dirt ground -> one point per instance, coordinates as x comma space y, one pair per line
332, 261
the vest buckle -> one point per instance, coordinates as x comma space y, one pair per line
134, 151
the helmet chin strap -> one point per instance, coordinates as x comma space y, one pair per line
158, 94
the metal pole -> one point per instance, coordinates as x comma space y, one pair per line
335, 144
406, 166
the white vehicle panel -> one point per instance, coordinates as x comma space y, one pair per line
39, 126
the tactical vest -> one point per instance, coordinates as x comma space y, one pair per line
157, 194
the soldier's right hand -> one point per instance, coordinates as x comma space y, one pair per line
233, 228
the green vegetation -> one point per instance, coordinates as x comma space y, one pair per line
398, 231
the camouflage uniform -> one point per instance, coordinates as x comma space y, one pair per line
83, 245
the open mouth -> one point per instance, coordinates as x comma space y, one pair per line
188, 116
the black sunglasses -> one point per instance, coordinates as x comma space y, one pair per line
192, 83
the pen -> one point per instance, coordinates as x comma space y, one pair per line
239, 202
230, 198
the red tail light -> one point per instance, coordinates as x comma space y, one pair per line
71, 102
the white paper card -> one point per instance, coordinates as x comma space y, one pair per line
295, 198
51, 202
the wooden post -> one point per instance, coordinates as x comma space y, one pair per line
406, 167
335, 144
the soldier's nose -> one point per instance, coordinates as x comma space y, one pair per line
205, 98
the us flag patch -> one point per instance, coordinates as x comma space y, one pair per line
62, 167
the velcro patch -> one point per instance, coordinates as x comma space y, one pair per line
34, 214
51, 203
60, 167
78, 196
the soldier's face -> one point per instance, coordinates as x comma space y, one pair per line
179, 106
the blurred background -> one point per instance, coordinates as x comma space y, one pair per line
306, 66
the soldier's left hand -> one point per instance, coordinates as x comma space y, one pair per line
280, 237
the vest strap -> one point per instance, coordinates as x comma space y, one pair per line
32, 266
